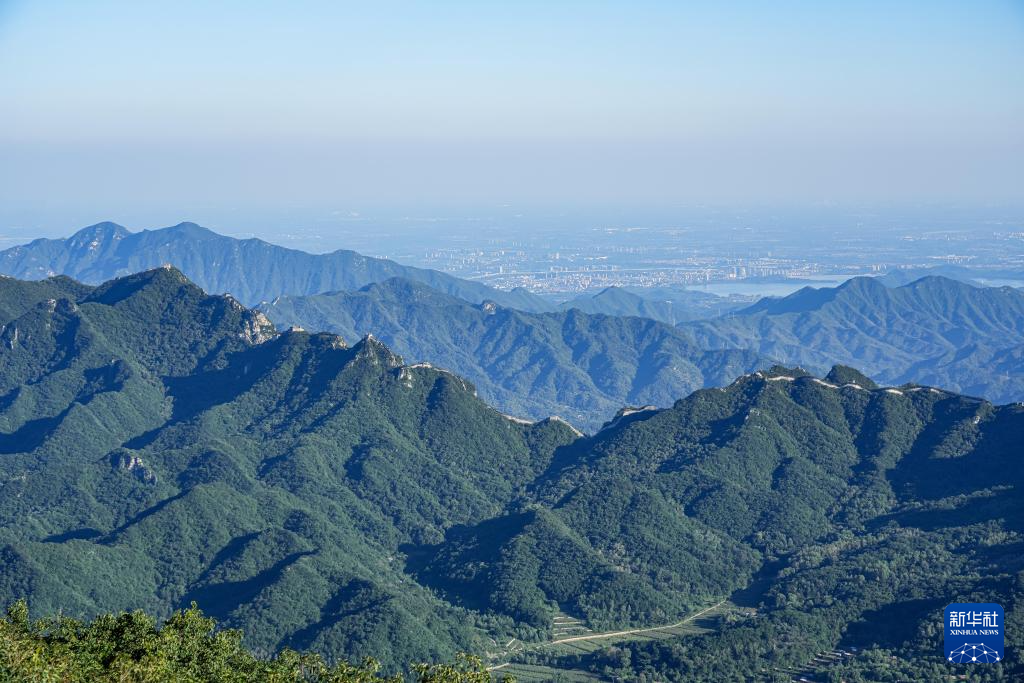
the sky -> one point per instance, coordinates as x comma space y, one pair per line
156, 110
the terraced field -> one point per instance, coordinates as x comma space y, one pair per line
536, 673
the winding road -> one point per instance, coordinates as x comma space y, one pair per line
614, 634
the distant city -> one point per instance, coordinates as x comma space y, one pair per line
733, 256
739, 254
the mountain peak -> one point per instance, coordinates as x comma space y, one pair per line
98, 234
377, 352
191, 230
781, 371
804, 299
862, 283
166, 271
857, 282
163, 281
938, 282
843, 374
104, 228
402, 287
555, 419
812, 298
620, 295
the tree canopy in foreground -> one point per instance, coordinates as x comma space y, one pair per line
131, 646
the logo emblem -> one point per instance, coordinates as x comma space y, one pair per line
974, 633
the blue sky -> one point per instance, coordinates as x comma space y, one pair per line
153, 104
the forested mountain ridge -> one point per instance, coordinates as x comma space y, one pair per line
934, 331
250, 269
575, 364
850, 515
158, 446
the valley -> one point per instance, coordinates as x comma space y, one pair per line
335, 498
455, 342
563, 644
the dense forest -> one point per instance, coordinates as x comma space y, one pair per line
934, 330
579, 365
332, 499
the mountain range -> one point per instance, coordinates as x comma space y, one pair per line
250, 269
897, 277
159, 445
670, 306
932, 331
582, 366
850, 515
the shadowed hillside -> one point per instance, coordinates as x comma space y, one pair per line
160, 446
932, 331
578, 365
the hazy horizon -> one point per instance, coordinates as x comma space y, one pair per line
393, 231
159, 114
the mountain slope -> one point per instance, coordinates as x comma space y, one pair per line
932, 331
904, 276
252, 270
844, 513
158, 445
667, 306
584, 367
